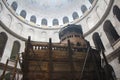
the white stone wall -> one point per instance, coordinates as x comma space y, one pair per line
9, 44
108, 48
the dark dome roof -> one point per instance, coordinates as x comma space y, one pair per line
70, 28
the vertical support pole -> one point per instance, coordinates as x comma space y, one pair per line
5, 68
84, 64
25, 64
28, 43
70, 52
50, 60
106, 62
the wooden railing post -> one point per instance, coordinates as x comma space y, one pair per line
70, 52
25, 58
50, 60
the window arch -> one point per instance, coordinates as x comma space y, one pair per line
110, 31
44, 22
23, 13
33, 19
55, 22
14, 5
65, 19
15, 49
97, 41
75, 15
3, 40
116, 12
91, 1
83, 8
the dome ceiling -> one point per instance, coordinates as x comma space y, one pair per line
41, 18
50, 5
52, 9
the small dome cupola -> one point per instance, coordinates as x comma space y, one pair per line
73, 33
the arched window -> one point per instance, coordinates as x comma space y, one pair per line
14, 5
75, 15
97, 41
3, 40
91, 1
15, 50
55, 22
110, 31
33, 19
44, 22
65, 20
23, 13
83, 8
116, 12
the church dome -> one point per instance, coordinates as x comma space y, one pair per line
51, 12
70, 29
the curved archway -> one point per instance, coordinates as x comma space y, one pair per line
65, 19
116, 12
55, 22
98, 42
83, 8
23, 13
3, 40
15, 50
110, 31
9, 20
14, 5
75, 15
44, 22
33, 19
19, 27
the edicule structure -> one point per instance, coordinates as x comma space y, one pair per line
71, 59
